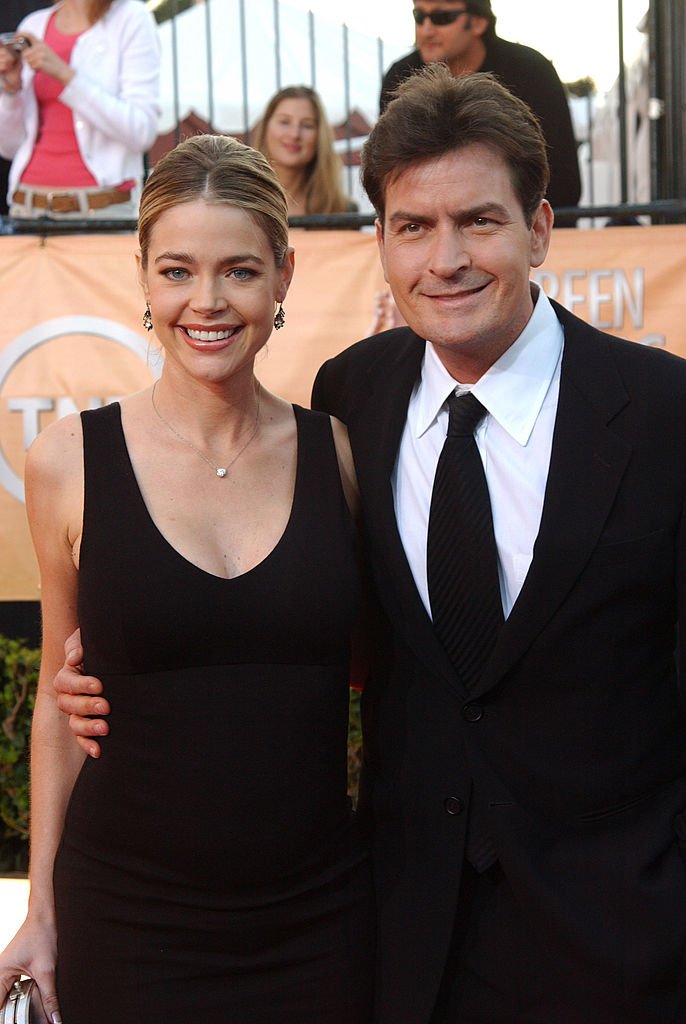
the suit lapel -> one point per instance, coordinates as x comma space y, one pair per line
375, 433
587, 463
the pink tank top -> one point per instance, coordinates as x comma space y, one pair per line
56, 159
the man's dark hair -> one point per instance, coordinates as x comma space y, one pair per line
483, 9
432, 113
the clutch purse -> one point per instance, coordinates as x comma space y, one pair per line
17, 1007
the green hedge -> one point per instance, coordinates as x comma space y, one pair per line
18, 681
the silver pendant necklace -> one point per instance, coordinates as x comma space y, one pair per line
220, 471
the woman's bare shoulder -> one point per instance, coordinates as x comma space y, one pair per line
53, 480
57, 452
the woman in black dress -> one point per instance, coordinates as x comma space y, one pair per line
201, 533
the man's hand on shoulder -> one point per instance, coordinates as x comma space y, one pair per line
80, 697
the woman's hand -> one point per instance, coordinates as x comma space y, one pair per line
41, 57
79, 696
10, 69
33, 952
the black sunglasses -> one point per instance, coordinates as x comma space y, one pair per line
440, 17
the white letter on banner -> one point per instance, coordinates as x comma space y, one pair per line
569, 299
30, 409
597, 298
548, 281
634, 302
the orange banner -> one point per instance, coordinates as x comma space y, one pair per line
71, 336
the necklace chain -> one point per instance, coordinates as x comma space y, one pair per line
220, 471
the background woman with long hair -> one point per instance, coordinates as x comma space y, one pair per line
297, 138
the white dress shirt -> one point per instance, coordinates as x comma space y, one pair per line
520, 393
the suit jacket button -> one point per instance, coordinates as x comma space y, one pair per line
472, 712
453, 805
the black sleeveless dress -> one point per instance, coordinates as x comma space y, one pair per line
210, 868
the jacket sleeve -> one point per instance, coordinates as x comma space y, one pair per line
131, 115
681, 597
319, 399
387, 86
395, 74
12, 124
552, 107
12, 114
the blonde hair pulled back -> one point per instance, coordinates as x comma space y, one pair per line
219, 170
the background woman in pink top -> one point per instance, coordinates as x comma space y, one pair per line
78, 109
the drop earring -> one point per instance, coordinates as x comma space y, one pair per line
147, 317
280, 318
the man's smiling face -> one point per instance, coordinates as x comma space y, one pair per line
457, 252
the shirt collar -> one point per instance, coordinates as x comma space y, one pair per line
513, 389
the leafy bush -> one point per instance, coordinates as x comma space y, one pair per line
18, 681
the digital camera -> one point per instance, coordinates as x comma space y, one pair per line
14, 42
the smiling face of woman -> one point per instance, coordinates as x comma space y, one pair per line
212, 283
291, 133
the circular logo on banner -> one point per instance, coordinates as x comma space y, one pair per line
41, 334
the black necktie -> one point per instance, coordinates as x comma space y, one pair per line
461, 557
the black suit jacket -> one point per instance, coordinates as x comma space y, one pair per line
570, 755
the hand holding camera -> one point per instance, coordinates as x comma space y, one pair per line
15, 43
15, 48
11, 48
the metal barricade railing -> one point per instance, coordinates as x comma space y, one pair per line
344, 68
660, 211
664, 156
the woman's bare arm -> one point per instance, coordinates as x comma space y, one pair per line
54, 487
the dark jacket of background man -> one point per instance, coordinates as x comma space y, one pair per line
532, 77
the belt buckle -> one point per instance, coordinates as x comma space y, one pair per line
66, 196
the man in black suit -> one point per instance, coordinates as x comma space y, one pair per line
528, 806
461, 33
530, 830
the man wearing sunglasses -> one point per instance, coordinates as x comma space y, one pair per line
461, 34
